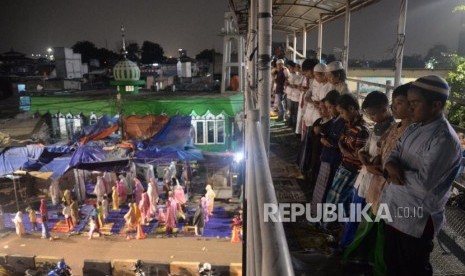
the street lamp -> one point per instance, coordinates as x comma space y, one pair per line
49, 53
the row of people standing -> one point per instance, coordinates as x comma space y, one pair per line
410, 164
293, 83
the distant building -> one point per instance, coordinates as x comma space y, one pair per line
16, 63
68, 64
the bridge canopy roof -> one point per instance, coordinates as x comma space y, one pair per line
291, 16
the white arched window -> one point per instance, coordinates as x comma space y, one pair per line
92, 118
62, 125
77, 123
55, 126
69, 124
208, 128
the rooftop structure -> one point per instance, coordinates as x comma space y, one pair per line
126, 73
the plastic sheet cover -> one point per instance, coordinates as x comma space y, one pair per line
143, 127
99, 156
16, 158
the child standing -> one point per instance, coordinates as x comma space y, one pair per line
376, 108
99, 214
171, 211
115, 198
18, 221
93, 227
199, 220
74, 211
67, 214
337, 77
306, 87
45, 233
320, 87
43, 208
32, 218
353, 138
330, 157
105, 208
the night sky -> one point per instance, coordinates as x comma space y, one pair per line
30, 26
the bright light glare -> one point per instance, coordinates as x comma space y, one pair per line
238, 156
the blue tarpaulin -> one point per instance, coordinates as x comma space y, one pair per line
17, 158
169, 144
58, 166
167, 154
103, 123
57, 148
98, 156
174, 134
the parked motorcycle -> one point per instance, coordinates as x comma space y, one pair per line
47, 269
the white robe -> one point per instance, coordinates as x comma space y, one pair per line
55, 192
152, 192
99, 189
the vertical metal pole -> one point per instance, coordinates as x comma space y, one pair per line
253, 258
400, 42
251, 61
294, 53
320, 37
225, 52
389, 90
304, 41
119, 99
228, 63
345, 62
240, 61
287, 45
16, 193
264, 67
77, 185
247, 164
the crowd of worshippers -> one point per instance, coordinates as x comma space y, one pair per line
167, 206
406, 161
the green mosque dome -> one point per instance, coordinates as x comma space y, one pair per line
126, 70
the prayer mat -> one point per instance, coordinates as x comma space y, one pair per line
303, 236
288, 191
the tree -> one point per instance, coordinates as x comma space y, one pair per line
413, 61
207, 54
438, 57
106, 57
87, 50
456, 80
460, 8
133, 52
385, 63
151, 53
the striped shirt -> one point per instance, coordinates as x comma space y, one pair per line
353, 138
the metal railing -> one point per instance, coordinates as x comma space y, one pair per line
267, 252
386, 87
